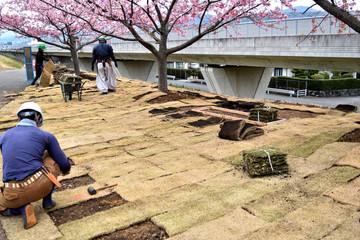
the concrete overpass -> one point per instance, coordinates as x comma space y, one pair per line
239, 67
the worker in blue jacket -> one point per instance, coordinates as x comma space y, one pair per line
24, 178
102, 55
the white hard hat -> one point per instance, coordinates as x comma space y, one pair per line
34, 107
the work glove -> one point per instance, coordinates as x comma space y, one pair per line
92, 67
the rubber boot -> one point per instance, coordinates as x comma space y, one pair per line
28, 214
11, 212
48, 203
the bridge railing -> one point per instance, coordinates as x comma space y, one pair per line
290, 27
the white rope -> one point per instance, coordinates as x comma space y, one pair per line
258, 113
272, 169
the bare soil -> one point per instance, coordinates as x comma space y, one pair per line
224, 103
142, 231
84, 209
353, 136
207, 122
75, 182
175, 96
287, 114
346, 108
239, 105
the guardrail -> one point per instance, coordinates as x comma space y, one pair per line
289, 27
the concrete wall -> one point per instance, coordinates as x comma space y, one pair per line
18, 55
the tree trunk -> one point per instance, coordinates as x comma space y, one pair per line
162, 72
75, 60
340, 14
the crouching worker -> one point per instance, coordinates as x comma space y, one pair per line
26, 150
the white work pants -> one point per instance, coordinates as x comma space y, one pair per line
105, 78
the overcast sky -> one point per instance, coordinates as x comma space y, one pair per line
306, 3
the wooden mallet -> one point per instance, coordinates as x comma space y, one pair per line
93, 191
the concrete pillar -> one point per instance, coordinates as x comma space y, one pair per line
142, 70
243, 82
85, 64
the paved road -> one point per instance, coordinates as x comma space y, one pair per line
12, 81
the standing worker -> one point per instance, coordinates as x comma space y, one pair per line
25, 166
103, 54
39, 62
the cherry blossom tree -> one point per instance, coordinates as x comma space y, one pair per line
40, 21
150, 22
345, 14
343, 11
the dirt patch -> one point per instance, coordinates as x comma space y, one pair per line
141, 231
224, 103
74, 182
207, 122
6, 99
88, 76
346, 108
181, 112
353, 136
141, 95
240, 105
185, 114
176, 96
232, 114
288, 113
71, 161
84, 209
164, 110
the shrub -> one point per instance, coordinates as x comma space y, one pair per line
336, 75
309, 73
325, 74
317, 76
299, 73
347, 75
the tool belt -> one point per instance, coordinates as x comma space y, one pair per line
24, 183
104, 61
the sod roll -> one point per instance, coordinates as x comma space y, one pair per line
239, 130
263, 114
262, 162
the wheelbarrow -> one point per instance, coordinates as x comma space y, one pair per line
67, 89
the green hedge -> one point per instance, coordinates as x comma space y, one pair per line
315, 84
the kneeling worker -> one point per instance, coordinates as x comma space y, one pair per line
24, 161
